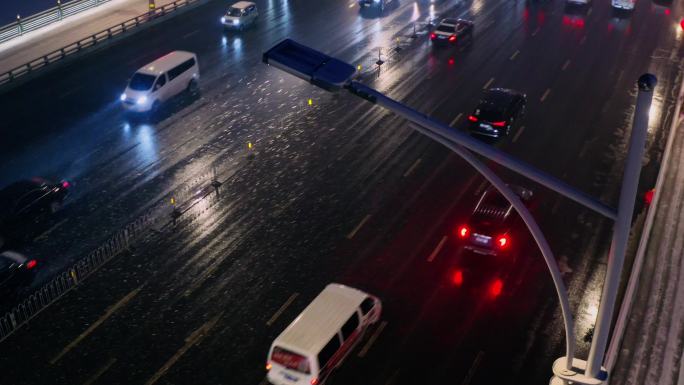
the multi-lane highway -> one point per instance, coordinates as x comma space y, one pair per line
336, 191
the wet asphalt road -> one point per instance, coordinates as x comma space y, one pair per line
336, 191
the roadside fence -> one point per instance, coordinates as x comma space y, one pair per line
49, 16
90, 41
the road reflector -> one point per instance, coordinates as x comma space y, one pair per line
173, 201
249, 145
310, 102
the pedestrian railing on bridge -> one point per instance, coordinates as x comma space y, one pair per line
87, 42
49, 16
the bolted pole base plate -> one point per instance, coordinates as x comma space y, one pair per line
576, 375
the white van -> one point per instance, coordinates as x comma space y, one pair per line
160, 80
240, 15
322, 336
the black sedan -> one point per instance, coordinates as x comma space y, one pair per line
452, 32
25, 204
16, 272
495, 114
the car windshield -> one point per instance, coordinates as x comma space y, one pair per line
446, 28
141, 82
235, 12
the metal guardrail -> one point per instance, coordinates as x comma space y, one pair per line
49, 16
69, 278
189, 195
91, 40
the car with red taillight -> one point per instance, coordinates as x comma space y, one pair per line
497, 112
493, 227
16, 272
452, 32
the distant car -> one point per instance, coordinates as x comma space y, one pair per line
495, 114
576, 3
379, 4
452, 32
16, 272
494, 222
240, 15
25, 203
624, 5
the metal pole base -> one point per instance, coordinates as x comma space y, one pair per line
576, 375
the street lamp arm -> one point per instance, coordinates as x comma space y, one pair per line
483, 149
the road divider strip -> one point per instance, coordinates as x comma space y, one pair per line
517, 134
412, 168
565, 65
437, 249
489, 83
280, 311
122, 302
194, 338
100, 372
473, 368
358, 227
456, 119
545, 95
515, 54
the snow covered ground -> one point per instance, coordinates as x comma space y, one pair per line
651, 352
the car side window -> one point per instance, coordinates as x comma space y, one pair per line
328, 351
350, 326
160, 82
367, 305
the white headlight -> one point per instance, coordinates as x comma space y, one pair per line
142, 100
122, 97
223, 19
236, 21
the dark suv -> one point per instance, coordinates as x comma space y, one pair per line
491, 227
25, 204
496, 112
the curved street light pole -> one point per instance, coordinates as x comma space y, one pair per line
332, 74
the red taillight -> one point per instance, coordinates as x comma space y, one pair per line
472, 118
496, 288
457, 278
463, 231
433, 36
452, 38
648, 196
31, 264
499, 124
314, 381
503, 242
268, 366
66, 184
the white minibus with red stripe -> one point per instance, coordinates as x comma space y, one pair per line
322, 336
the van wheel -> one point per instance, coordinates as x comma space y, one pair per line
2, 241
155, 107
192, 87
